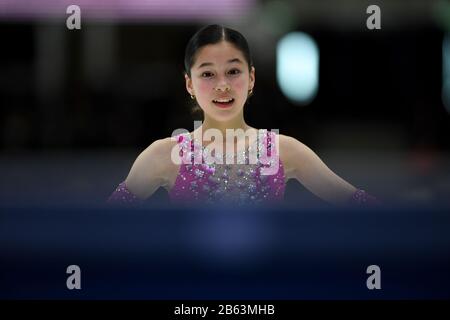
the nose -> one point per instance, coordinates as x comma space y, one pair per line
222, 85
225, 89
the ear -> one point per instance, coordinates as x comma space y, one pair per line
189, 86
251, 83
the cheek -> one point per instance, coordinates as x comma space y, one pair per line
240, 85
205, 86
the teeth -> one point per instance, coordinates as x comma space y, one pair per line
223, 100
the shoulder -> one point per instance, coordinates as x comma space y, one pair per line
152, 167
306, 166
157, 154
290, 146
159, 149
293, 153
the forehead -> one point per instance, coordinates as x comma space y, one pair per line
217, 54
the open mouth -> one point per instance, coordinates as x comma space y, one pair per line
223, 103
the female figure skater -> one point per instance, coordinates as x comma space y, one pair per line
220, 77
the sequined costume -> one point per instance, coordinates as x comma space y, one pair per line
201, 179
123, 196
257, 177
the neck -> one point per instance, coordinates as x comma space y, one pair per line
237, 123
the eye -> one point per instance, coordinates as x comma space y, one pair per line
234, 71
206, 74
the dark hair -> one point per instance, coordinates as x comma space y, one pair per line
213, 34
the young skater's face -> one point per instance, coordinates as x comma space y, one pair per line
220, 80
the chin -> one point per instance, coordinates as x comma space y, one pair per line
224, 115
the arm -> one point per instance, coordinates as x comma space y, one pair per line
150, 170
304, 165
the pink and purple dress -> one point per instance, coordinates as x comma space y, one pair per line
254, 175
250, 176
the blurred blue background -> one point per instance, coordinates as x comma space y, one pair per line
251, 253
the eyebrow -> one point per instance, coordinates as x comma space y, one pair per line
205, 64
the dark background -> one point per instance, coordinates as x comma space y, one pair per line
78, 106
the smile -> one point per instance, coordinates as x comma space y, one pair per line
223, 103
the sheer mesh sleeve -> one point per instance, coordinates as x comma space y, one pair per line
364, 199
